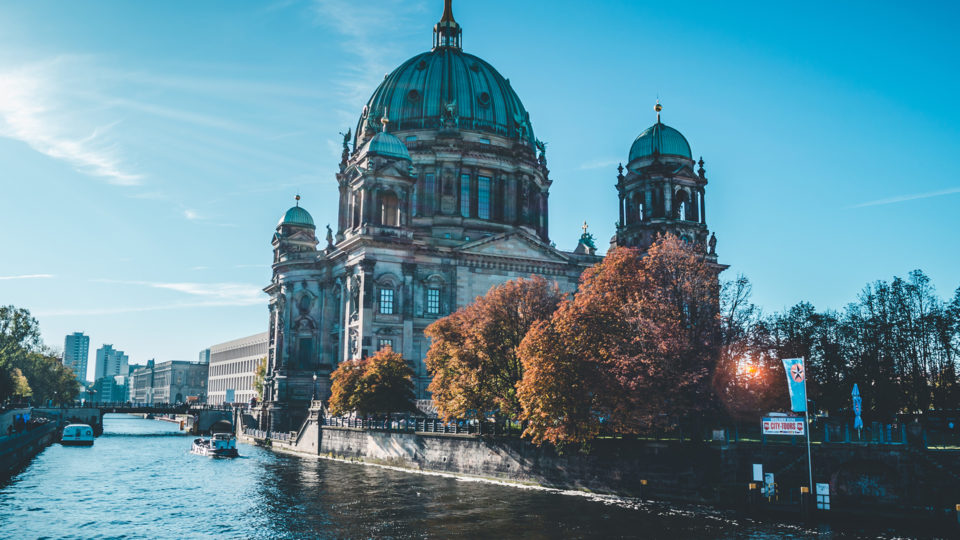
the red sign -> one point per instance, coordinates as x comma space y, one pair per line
797, 373
783, 426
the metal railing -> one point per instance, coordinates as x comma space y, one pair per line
416, 424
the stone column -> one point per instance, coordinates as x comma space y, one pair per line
407, 298
648, 203
623, 221
366, 313
703, 207
667, 201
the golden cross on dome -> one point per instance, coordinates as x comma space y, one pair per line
584, 227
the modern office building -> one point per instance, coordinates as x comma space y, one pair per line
232, 368
110, 362
76, 352
204, 357
175, 381
114, 389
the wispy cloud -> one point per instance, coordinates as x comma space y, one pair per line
913, 197
30, 111
366, 29
227, 294
28, 276
90, 312
599, 164
192, 215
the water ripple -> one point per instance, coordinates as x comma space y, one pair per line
139, 480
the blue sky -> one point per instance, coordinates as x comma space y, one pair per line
147, 150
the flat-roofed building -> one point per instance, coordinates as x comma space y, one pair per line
232, 369
176, 381
76, 352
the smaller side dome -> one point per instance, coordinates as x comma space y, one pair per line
388, 145
662, 139
297, 216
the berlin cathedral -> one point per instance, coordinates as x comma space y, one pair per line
444, 193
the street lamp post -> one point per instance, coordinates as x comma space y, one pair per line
314, 387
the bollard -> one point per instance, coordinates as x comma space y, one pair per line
643, 485
805, 509
958, 515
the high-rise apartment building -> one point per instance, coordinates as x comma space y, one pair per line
76, 351
110, 362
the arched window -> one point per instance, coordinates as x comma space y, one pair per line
682, 199
386, 302
389, 209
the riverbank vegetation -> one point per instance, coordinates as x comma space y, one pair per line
652, 342
29, 371
899, 342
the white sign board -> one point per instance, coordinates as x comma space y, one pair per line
758, 472
769, 486
786, 425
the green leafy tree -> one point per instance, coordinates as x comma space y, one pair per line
27, 368
382, 383
258, 376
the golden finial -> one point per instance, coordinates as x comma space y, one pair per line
297, 199
584, 227
658, 108
385, 120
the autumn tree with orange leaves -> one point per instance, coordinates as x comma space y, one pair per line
382, 383
633, 350
473, 355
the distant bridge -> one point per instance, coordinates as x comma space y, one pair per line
92, 413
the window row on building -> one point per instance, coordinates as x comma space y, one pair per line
230, 368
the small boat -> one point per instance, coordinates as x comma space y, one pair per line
220, 445
77, 435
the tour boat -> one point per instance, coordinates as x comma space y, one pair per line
220, 445
77, 435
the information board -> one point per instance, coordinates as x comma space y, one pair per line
786, 425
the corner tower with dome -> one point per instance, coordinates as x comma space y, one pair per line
661, 192
443, 192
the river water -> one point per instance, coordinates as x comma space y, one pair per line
140, 481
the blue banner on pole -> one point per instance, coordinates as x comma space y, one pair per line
796, 375
857, 407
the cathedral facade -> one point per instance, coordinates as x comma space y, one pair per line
443, 193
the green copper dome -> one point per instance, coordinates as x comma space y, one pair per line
660, 138
447, 87
387, 145
297, 216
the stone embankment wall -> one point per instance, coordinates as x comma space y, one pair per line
870, 479
17, 449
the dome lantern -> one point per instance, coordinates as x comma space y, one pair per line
447, 33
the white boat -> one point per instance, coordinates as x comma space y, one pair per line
77, 435
220, 445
